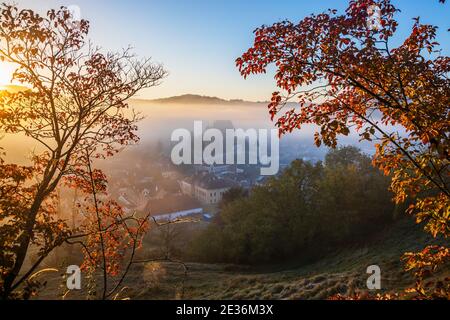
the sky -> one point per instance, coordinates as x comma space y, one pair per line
198, 40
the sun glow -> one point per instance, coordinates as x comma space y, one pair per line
6, 72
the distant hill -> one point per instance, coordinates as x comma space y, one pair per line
198, 99
13, 88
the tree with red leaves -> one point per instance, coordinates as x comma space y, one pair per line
76, 110
343, 73
106, 233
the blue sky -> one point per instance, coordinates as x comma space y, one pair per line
198, 40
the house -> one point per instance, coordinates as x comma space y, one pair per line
205, 187
170, 174
217, 169
173, 207
135, 197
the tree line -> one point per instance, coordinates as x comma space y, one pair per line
307, 210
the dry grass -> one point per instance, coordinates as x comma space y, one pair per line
343, 272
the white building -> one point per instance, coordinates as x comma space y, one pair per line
205, 187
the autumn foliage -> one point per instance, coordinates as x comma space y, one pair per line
75, 110
342, 72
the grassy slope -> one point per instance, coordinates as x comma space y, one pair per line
342, 272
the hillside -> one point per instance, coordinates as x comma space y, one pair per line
12, 88
198, 100
342, 272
